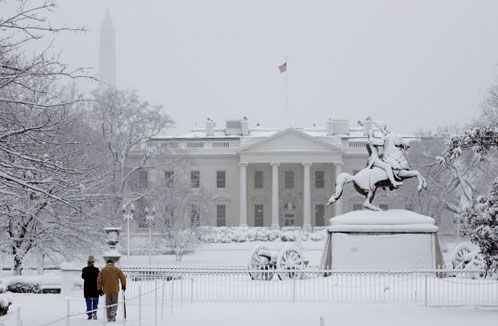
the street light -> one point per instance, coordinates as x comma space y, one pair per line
128, 216
150, 214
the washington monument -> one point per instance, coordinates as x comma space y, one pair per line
107, 59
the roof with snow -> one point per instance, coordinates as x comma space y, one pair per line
333, 128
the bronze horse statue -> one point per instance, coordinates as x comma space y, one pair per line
369, 179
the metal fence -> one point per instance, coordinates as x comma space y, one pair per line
153, 292
238, 284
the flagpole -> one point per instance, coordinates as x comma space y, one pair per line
287, 107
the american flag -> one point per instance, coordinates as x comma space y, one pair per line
283, 67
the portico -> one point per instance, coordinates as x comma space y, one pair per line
290, 157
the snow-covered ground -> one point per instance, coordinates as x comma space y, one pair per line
226, 254
38, 310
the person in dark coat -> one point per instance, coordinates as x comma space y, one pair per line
89, 274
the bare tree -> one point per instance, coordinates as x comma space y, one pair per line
42, 171
435, 201
478, 146
124, 124
182, 210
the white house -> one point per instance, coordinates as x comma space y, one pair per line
273, 177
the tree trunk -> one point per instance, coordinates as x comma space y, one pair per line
17, 266
178, 256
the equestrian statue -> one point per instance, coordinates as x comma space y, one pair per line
386, 167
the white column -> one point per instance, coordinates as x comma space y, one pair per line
243, 194
338, 204
306, 198
274, 196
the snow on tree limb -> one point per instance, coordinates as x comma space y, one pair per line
479, 140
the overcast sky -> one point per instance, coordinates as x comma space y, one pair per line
416, 64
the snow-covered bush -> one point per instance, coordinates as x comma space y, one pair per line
5, 302
482, 222
23, 286
260, 234
3, 286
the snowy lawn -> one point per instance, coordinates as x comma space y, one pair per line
38, 310
226, 254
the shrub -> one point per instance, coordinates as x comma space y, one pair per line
4, 305
23, 286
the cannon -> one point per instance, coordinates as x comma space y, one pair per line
286, 263
467, 256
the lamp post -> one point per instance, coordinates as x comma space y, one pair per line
128, 216
150, 214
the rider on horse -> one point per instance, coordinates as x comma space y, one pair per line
375, 147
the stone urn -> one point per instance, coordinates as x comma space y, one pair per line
112, 239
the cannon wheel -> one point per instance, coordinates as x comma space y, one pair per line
259, 263
465, 254
467, 257
290, 259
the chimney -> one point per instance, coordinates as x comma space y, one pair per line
340, 127
244, 126
210, 124
330, 127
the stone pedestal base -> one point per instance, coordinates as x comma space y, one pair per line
395, 239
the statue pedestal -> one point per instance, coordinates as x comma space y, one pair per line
112, 239
371, 240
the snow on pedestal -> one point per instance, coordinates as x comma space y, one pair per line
112, 239
373, 240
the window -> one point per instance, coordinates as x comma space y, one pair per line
168, 177
289, 179
319, 179
221, 144
319, 215
194, 215
258, 179
169, 145
221, 215
357, 207
258, 215
195, 145
221, 179
195, 177
289, 220
384, 207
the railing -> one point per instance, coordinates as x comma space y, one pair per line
237, 283
159, 289
428, 287
357, 144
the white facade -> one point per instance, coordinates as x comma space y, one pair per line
270, 177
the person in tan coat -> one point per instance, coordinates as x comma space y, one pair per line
108, 284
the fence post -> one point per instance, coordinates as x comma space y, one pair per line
68, 311
181, 293
19, 321
124, 319
139, 305
172, 296
293, 290
162, 301
155, 303
104, 317
192, 290
322, 321
425, 292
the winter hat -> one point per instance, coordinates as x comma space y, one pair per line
91, 259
